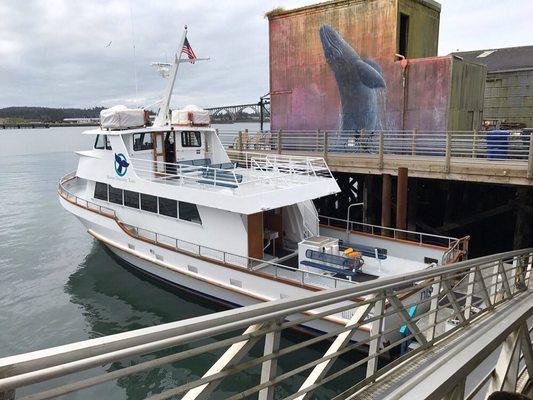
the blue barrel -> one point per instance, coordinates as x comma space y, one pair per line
497, 144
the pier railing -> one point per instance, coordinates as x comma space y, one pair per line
487, 146
448, 300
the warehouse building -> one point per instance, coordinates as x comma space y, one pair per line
509, 85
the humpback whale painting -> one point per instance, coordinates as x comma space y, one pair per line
358, 80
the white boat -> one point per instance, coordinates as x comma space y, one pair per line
168, 200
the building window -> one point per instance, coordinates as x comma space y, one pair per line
191, 139
115, 195
100, 191
148, 203
142, 141
189, 212
404, 35
131, 199
168, 207
102, 143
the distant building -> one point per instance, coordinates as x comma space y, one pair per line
509, 84
81, 120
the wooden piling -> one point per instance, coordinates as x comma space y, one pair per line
386, 202
401, 199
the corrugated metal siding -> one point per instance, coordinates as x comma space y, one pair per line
509, 97
466, 97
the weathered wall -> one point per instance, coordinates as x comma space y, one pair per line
303, 91
427, 94
509, 96
423, 38
466, 96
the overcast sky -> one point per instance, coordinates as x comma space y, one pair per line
79, 53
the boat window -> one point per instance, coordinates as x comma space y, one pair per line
115, 195
168, 207
148, 203
191, 139
102, 143
131, 199
100, 191
142, 141
189, 212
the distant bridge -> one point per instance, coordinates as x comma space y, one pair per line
241, 112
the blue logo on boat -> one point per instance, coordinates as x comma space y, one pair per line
121, 165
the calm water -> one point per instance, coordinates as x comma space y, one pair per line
58, 285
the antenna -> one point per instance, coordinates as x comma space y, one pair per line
134, 55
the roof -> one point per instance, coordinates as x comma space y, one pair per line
280, 12
506, 59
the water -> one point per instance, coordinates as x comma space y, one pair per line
58, 285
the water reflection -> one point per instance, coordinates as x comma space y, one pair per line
115, 298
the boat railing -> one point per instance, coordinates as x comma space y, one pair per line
275, 270
63, 187
450, 243
249, 168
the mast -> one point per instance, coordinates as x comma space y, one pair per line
163, 110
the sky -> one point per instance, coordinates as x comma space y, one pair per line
80, 53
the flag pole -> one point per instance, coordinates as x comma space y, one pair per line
162, 115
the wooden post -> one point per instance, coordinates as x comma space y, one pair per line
413, 143
386, 202
448, 152
530, 158
381, 148
247, 144
239, 141
401, 199
326, 145
362, 140
474, 144
279, 141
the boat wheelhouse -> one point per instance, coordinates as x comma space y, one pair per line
168, 200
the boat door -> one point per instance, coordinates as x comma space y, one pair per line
189, 145
159, 153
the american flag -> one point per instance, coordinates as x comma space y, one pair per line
187, 49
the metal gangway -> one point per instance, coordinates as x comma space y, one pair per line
473, 338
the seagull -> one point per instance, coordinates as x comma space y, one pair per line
109, 44
122, 163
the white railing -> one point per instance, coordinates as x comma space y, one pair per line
275, 270
416, 237
249, 169
488, 146
489, 297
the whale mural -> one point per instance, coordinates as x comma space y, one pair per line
358, 80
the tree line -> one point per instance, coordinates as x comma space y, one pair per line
47, 114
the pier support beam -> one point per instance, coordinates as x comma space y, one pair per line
401, 199
386, 201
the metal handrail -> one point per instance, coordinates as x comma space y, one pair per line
509, 148
253, 168
491, 283
397, 233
